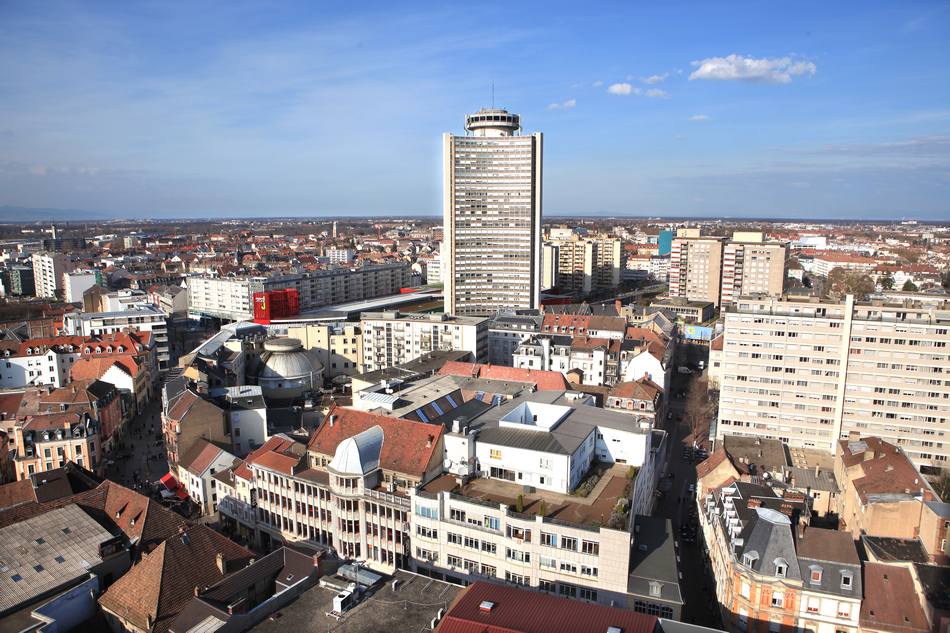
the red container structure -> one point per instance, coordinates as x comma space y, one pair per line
276, 304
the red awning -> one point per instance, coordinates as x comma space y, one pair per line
170, 482
182, 493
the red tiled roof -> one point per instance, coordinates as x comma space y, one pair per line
884, 469
717, 342
522, 611
545, 380
10, 404
642, 389
712, 462
408, 447
201, 456
890, 600
15, 493
157, 588
277, 445
96, 367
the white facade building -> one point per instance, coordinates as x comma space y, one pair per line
48, 271
145, 318
394, 338
76, 283
492, 216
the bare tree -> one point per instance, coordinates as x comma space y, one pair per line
699, 409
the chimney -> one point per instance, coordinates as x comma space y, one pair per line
332, 420
429, 441
222, 565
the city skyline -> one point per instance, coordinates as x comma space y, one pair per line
252, 110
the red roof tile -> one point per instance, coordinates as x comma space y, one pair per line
545, 380
890, 600
521, 611
408, 447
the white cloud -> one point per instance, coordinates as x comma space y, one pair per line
598, 83
656, 93
739, 68
623, 89
655, 79
699, 117
563, 105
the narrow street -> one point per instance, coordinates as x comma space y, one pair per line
139, 458
677, 503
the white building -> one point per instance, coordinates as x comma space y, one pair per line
809, 372
247, 414
231, 298
195, 472
78, 282
340, 255
394, 338
48, 271
144, 318
508, 330
492, 216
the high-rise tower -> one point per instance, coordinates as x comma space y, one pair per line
491, 249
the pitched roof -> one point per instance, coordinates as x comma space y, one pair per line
15, 493
545, 380
97, 366
157, 588
142, 520
408, 446
885, 469
641, 389
521, 611
200, 456
890, 600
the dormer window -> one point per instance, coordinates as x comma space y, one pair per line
847, 580
749, 558
815, 574
781, 567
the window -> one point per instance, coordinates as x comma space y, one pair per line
547, 561
569, 542
815, 574
492, 523
568, 591
488, 570
745, 590
517, 555
427, 513
548, 539
454, 539
457, 515
844, 610
568, 568
813, 605
547, 585
515, 578
778, 599
588, 571
590, 547
846, 580
494, 453
489, 547
588, 594
656, 588
454, 561
781, 567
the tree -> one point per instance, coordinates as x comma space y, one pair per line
909, 286
699, 409
887, 282
942, 487
842, 281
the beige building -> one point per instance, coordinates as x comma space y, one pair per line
750, 265
582, 264
392, 338
339, 347
491, 252
809, 372
696, 266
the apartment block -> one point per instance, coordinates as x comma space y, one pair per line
142, 318
509, 329
583, 265
232, 298
696, 266
750, 265
715, 269
491, 252
394, 338
339, 346
809, 372
48, 271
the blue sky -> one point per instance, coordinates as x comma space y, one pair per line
824, 109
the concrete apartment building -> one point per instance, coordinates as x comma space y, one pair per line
77, 282
19, 281
705, 268
509, 329
231, 298
809, 372
339, 346
491, 251
582, 264
48, 271
750, 265
394, 338
696, 266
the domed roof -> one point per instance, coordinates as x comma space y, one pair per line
359, 455
285, 359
